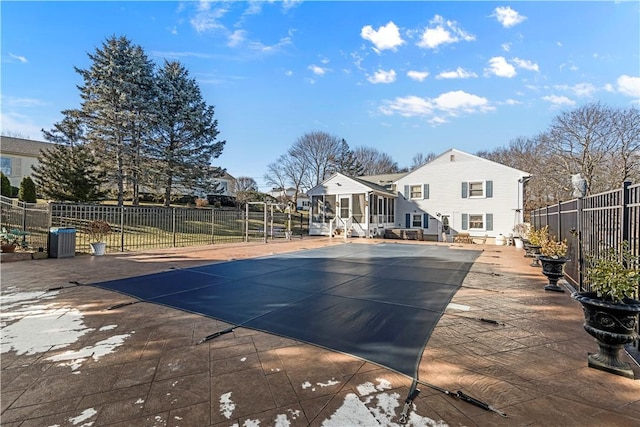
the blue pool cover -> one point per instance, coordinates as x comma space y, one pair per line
376, 302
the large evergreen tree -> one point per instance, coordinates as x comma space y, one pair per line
347, 163
184, 131
6, 185
27, 192
116, 109
68, 173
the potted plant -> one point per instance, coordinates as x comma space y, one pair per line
611, 308
535, 237
10, 240
98, 230
519, 233
553, 256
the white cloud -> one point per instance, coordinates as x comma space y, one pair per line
559, 100
498, 66
288, 73
526, 64
459, 73
508, 17
443, 32
237, 38
387, 37
12, 101
19, 58
318, 71
263, 48
408, 106
584, 89
449, 104
512, 102
461, 101
418, 75
208, 20
382, 76
629, 86
506, 47
19, 124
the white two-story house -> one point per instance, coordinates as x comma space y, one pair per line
454, 193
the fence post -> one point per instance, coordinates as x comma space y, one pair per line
579, 236
559, 220
121, 228
625, 211
173, 226
213, 224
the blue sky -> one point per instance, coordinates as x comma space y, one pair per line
401, 77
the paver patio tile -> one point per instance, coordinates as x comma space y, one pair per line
234, 364
239, 394
166, 395
181, 361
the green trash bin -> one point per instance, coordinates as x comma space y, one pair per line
62, 242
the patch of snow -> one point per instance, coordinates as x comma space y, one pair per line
282, 421
101, 348
140, 401
251, 423
366, 388
294, 414
178, 418
85, 415
383, 384
329, 383
243, 359
386, 411
42, 328
352, 413
306, 385
226, 405
107, 328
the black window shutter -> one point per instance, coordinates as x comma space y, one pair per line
489, 188
425, 220
425, 193
465, 188
465, 221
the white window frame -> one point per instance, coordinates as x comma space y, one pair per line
484, 222
419, 192
484, 189
413, 220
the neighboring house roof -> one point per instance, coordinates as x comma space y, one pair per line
453, 151
22, 147
383, 180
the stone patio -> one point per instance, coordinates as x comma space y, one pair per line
141, 364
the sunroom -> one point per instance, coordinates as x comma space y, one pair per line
350, 207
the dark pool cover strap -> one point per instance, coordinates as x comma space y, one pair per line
376, 302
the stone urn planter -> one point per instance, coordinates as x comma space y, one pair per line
553, 268
610, 308
613, 325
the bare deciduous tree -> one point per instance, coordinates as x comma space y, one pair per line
375, 162
244, 183
318, 152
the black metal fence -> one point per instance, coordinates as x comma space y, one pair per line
136, 228
592, 225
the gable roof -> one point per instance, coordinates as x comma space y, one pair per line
367, 184
456, 151
23, 147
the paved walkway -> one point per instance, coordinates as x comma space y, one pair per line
68, 361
